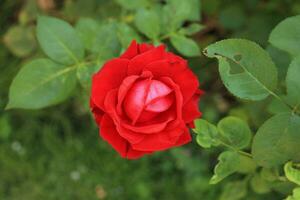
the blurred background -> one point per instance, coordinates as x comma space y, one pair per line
55, 153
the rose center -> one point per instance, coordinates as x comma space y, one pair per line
146, 99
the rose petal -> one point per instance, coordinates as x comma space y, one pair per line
142, 48
190, 110
131, 51
138, 63
184, 138
109, 134
109, 77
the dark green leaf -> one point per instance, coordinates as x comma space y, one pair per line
277, 140
228, 164
235, 132
59, 40
286, 35
293, 81
41, 83
245, 68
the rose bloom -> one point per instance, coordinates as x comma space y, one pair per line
145, 100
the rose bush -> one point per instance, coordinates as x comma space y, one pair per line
145, 100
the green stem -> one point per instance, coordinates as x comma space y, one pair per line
239, 151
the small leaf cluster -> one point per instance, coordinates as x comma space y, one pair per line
249, 73
75, 53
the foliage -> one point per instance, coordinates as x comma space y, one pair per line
250, 122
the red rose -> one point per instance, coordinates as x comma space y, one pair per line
144, 100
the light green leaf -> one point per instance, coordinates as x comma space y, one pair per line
277, 140
59, 40
191, 29
295, 196
292, 172
245, 68
235, 132
286, 35
259, 185
87, 30
235, 190
206, 133
41, 83
148, 22
20, 40
293, 81
185, 45
106, 44
227, 165
126, 34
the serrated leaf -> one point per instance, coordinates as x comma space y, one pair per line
185, 46
41, 83
292, 172
277, 140
245, 68
286, 35
227, 165
235, 132
87, 30
59, 40
148, 22
126, 34
293, 81
207, 133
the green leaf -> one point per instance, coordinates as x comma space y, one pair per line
41, 83
259, 185
245, 68
293, 81
133, 4
277, 140
185, 45
59, 40
87, 30
185, 10
207, 133
85, 72
235, 190
5, 127
20, 40
286, 35
295, 196
235, 132
292, 172
191, 29
148, 22
126, 34
227, 165
106, 44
